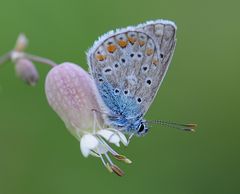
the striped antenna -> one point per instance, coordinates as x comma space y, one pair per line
185, 127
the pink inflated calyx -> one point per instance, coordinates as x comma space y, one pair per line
71, 93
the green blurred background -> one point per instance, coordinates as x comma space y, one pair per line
38, 155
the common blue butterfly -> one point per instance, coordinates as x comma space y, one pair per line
128, 66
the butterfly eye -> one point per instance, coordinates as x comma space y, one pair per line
141, 128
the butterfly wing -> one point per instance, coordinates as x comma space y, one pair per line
129, 65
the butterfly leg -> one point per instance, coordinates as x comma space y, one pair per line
98, 111
96, 121
105, 113
129, 138
115, 131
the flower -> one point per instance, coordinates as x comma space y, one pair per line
72, 94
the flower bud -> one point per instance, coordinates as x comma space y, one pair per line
27, 71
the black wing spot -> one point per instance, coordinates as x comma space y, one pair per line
107, 70
123, 60
149, 82
132, 55
161, 55
116, 91
116, 65
139, 100
125, 92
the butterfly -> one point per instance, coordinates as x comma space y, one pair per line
128, 66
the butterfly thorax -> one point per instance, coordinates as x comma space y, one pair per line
136, 125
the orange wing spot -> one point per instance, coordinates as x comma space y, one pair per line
141, 43
155, 62
101, 57
122, 43
132, 40
149, 52
111, 48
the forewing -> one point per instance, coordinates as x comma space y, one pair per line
133, 61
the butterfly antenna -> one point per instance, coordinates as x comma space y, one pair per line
185, 127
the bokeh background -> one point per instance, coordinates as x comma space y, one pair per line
38, 155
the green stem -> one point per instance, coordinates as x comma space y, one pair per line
40, 60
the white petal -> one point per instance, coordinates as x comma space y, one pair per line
115, 139
88, 143
117, 143
123, 138
105, 133
110, 136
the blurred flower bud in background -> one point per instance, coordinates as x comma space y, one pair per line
26, 71
21, 43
